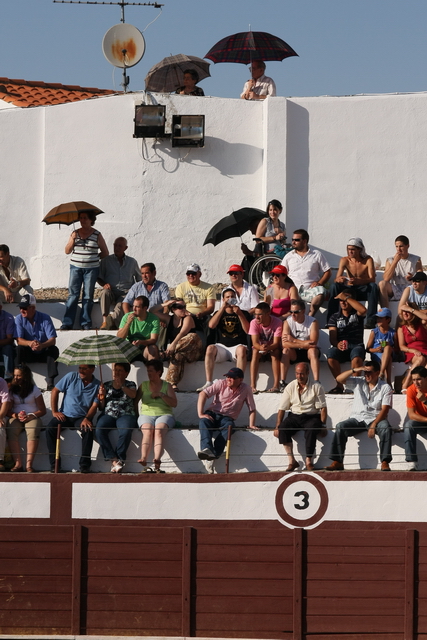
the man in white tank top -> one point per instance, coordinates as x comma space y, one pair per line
398, 271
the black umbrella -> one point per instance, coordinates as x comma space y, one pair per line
251, 45
234, 225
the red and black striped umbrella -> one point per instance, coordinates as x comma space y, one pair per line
248, 46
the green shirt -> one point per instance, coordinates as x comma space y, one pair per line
141, 329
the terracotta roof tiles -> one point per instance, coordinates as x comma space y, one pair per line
31, 93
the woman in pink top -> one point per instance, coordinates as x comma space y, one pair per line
412, 337
280, 293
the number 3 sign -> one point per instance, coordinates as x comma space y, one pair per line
301, 500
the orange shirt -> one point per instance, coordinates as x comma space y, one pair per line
413, 402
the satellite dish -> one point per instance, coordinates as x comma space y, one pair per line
123, 45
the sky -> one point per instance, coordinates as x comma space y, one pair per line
345, 47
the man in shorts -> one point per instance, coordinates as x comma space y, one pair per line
266, 332
299, 341
416, 293
232, 326
309, 270
346, 336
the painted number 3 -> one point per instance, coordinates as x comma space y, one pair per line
304, 503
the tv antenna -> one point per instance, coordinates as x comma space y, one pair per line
123, 45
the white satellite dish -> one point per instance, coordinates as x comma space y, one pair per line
123, 45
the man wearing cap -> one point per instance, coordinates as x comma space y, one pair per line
155, 291
14, 276
416, 293
117, 273
373, 398
141, 328
78, 408
229, 396
7, 351
299, 341
398, 271
309, 270
346, 336
198, 296
231, 324
306, 405
360, 276
246, 294
36, 338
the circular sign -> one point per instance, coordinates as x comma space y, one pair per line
301, 500
123, 45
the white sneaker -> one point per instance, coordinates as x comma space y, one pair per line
209, 465
205, 386
116, 467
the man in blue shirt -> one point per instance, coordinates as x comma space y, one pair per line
36, 338
156, 291
78, 408
7, 331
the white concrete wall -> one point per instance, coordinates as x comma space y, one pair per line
342, 165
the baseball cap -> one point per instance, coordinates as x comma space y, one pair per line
420, 276
280, 268
234, 372
384, 313
236, 267
27, 301
194, 267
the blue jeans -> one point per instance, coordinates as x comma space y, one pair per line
411, 428
79, 277
124, 426
351, 427
208, 427
7, 351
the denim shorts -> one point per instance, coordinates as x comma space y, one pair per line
155, 420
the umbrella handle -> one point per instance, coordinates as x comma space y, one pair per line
227, 450
58, 445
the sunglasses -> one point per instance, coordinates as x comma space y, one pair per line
296, 239
191, 273
178, 306
234, 273
295, 313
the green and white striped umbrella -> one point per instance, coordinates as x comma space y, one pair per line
99, 349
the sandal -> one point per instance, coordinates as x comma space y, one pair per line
147, 470
30, 468
273, 390
254, 391
17, 467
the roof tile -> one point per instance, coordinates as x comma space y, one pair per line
33, 93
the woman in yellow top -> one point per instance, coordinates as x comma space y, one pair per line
157, 400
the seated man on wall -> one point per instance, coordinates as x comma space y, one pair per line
259, 86
156, 291
346, 336
7, 351
398, 271
14, 277
141, 328
117, 273
229, 396
36, 338
416, 402
309, 270
299, 341
306, 405
246, 294
373, 399
78, 408
360, 270
232, 325
416, 292
266, 332
199, 296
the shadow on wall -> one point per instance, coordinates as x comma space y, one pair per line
297, 166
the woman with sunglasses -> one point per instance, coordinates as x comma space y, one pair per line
280, 293
28, 408
412, 336
183, 343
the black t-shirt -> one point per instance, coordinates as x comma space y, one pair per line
349, 328
229, 331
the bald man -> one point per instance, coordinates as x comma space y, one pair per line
117, 273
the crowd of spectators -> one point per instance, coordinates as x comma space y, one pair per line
185, 327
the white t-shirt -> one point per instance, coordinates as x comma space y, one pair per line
306, 269
29, 404
300, 330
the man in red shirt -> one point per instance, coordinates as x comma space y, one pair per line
416, 402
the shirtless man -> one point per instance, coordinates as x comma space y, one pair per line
360, 271
398, 271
